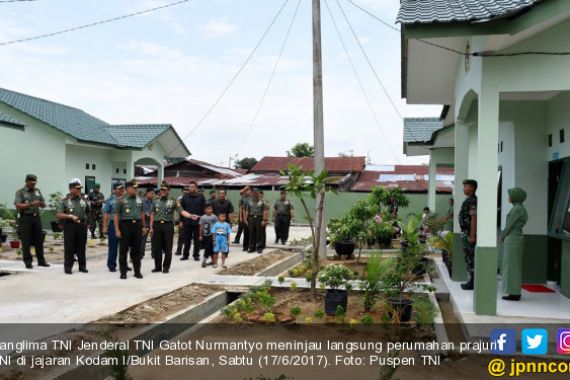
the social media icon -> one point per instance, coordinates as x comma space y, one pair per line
504, 342
563, 341
534, 341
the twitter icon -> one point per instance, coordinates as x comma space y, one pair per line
534, 341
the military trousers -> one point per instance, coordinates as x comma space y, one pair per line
131, 240
469, 251
256, 232
74, 241
96, 218
31, 234
162, 242
282, 225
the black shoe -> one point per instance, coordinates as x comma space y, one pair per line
250, 250
260, 250
68, 271
467, 286
129, 269
245, 250
138, 275
197, 258
112, 269
165, 271
283, 242
43, 264
155, 270
235, 242
29, 266
83, 270
512, 298
92, 237
123, 276
276, 241
178, 253
183, 258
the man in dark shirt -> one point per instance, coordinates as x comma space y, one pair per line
193, 203
222, 205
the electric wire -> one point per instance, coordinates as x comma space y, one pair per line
361, 85
236, 75
266, 91
96, 23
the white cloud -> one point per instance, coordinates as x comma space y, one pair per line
219, 29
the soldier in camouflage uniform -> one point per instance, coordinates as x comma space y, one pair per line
468, 224
96, 200
74, 211
129, 225
257, 215
28, 202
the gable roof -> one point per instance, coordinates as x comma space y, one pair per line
332, 164
421, 129
83, 126
428, 11
408, 178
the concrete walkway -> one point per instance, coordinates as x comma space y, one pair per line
47, 295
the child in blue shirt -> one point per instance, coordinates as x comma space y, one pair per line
221, 237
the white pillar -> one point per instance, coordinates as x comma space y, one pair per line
160, 176
461, 166
432, 183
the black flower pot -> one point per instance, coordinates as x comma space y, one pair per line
334, 298
403, 307
344, 248
3, 238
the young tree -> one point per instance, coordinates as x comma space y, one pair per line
246, 163
302, 184
301, 150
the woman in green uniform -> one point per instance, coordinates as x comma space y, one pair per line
513, 242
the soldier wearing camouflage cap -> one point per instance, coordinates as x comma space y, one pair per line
96, 200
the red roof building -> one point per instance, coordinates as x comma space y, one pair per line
409, 178
334, 165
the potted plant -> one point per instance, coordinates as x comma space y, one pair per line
15, 244
400, 276
336, 278
343, 233
444, 242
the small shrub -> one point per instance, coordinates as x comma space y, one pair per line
353, 322
308, 320
366, 319
319, 313
293, 285
339, 314
309, 276
281, 279
295, 311
268, 317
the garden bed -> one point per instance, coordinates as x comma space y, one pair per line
253, 267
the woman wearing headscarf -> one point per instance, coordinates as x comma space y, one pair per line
513, 244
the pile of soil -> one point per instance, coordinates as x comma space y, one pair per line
252, 267
156, 309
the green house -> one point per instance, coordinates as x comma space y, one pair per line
58, 142
501, 71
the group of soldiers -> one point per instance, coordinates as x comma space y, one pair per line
128, 220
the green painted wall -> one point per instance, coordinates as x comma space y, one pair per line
565, 269
338, 204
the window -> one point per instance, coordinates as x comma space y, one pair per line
93, 166
124, 171
86, 166
562, 136
501, 146
117, 170
550, 140
89, 183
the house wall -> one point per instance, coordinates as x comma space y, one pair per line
39, 149
558, 117
77, 158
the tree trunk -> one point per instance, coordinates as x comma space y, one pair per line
316, 244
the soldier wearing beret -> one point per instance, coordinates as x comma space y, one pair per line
28, 202
74, 211
468, 224
96, 200
129, 225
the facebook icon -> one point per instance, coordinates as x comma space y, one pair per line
503, 342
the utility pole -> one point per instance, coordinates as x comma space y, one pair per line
318, 126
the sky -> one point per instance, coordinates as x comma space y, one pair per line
170, 66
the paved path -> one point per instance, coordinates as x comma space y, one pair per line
47, 295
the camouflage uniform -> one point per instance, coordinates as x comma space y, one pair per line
96, 201
468, 208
